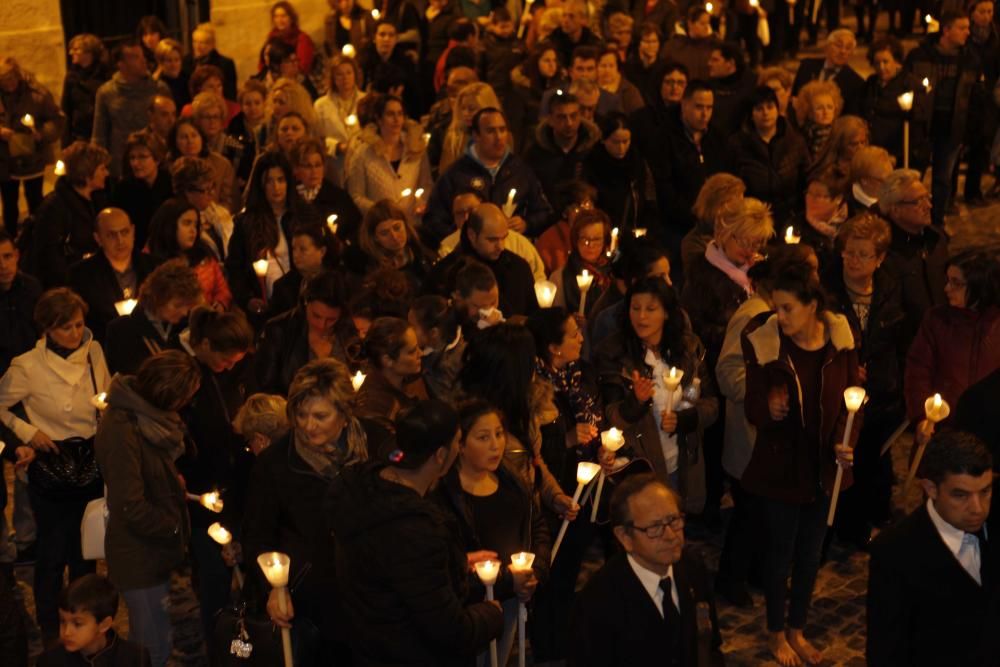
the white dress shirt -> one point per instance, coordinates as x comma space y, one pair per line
651, 582
964, 546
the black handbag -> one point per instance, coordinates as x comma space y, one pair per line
71, 473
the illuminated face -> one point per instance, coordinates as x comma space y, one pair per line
408, 361
823, 110
583, 69
489, 243
290, 130
701, 28
697, 110
70, 333
8, 263
783, 94
483, 445
647, 316
163, 115
391, 235
344, 79
860, 259
392, 119
253, 107
590, 243
607, 70
572, 343
174, 311
385, 40
133, 62
188, 140
765, 117
653, 508
617, 144
275, 186
202, 43
649, 46
280, 19
116, 236
492, 137
718, 66
81, 633
838, 51
211, 122
886, 66
956, 288
548, 64
306, 255
321, 318
672, 88
319, 423
187, 229
281, 103
170, 62
793, 316
310, 170
962, 500
140, 159
565, 121
80, 56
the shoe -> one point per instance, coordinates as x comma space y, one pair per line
26, 556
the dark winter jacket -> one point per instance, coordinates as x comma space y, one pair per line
775, 171
121, 108
880, 107
140, 200
710, 297
227, 66
79, 90
405, 606
731, 101
118, 653
133, 338
551, 164
848, 81
917, 262
625, 189
926, 61
94, 279
17, 318
22, 155
514, 278
63, 233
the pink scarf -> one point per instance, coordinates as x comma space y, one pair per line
738, 274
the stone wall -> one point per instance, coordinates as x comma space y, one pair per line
31, 31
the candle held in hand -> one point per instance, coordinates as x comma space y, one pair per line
211, 501
260, 267
357, 380
125, 306
545, 292
275, 566
791, 237
905, 100
349, 52
488, 571
219, 533
60, 169
99, 401
612, 439
28, 121
522, 561
854, 397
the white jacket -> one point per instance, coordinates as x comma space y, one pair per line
56, 393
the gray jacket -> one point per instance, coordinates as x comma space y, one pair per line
120, 109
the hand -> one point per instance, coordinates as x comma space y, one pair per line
43, 442
565, 507
606, 459
668, 421
845, 455
862, 374
777, 402
183, 483
642, 387
256, 305
924, 432
585, 433
492, 318
479, 556
231, 554
274, 609
25, 455
525, 584
518, 224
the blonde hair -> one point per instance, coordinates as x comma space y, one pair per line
457, 137
866, 160
164, 48
207, 101
266, 414
206, 29
298, 100
809, 92
865, 227
747, 218
719, 191
329, 379
620, 21
779, 73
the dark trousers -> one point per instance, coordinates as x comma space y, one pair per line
784, 31
944, 161
213, 579
746, 32
866, 32
58, 546
741, 550
13, 640
9, 192
831, 10
868, 501
794, 542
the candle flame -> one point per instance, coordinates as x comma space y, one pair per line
211, 501
28, 120
275, 566
357, 380
488, 571
352, 120
522, 560
639, 232
348, 51
125, 306
406, 193
60, 168
709, 7
375, 14
937, 401
419, 193
586, 471
260, 267
219, 533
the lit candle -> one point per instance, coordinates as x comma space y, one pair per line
351, 120
937, 410
545, 292
418, 193
99, 401
639, 232
933, 25
406, 193
926, 83
521, 562
614, 239
583, 281
791, 237
755, 3
331, 222
60, 168
260, 267
357, 380
509, 207
275, 566
211, 501
376, 14
853, 398
488, 571
126, 306
224, 538
28, 121
709, 7
905, 102
585, 472
348, 51
426, 136
672, 380
612, 440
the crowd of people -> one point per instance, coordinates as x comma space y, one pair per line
380, 304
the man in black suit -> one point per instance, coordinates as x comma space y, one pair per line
653, 604
839, 47
113, 274
933, 577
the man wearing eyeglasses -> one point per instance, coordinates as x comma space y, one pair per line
651, 605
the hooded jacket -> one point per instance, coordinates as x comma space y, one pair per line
551, 163
403, 576
781, 467
148, 525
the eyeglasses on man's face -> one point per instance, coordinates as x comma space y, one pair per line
655, 530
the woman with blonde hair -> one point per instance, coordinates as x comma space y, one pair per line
262, 421
847, 136
337, 111
287, 95
470, 99
286, 500
718, 192
169, 55
817, 106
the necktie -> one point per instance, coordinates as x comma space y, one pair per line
672, 619
969, 556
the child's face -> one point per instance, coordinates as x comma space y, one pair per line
80, 632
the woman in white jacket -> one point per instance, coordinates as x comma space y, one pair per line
56, 383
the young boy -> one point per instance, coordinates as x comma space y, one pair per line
87, 609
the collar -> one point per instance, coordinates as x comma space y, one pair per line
766, 339
827, 65
951, 536
650, 580
862, 196
475, 156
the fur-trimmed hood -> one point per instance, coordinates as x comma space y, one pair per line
587, 138
413, 140
766, 339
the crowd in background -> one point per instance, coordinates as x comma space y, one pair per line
385, 294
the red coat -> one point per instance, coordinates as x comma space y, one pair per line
954, 348
305, 50
779, 467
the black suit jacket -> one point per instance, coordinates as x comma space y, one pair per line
923, 608
852, 86
94, 280
616, 624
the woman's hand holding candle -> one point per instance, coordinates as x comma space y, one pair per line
565, 507
845, 455
281, 618
668, 421
474, 557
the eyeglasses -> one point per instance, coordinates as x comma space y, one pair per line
862, 256
592, 242
655, 530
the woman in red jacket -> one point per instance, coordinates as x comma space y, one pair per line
799, 361
285, 26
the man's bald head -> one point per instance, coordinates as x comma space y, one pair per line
115, 233
487, 231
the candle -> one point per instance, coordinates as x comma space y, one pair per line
612, 440
545, 292
275, 566
937, 410
509, 206
60, 168
791, 237
933, 25
639, 232
672, 380
99, 401
585, 472
418, 193
406, 193
348, 51
376, 14
614, 240
211, 501
853, 398
331, 222
926, 83
351, 120
260, 267
219, 533
488, 571
126, 306
358, 380
905, 102
28, 121
709, 7
426, 136
521, 562
755, 3
583, 281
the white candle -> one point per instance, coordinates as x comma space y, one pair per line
755, 3
936, 409
926, 83
672, 380
905, 102
612, 440
545, 292
509, 206
853, 398
376, 14
405, 193
521, 562
219, 533
260, 267
583, 281
614, 239
211, 501
60, 168
348, 51
488, 571
418, 193
99, 401
426, 136
28, 121
791, 237
275, 566
585, 472
126, 306
351, 120
639, 232
709, 7
357, 380
331, 222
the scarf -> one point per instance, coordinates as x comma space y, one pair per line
738, 274
568, 383
159, 428
327, 461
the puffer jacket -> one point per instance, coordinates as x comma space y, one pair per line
551, 163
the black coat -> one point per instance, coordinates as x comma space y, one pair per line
79, 90
227, 66
17, 318
616, 624
132, 338
626, 187
925, 61
63, 233
334, 200
552, 164
94, 280
976, 414
850, 82
118, 653
924, 609
880, 107
243, 281
774, 172
731, 101
710, 297
140, 200
917, 262
405, 606
514, 278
